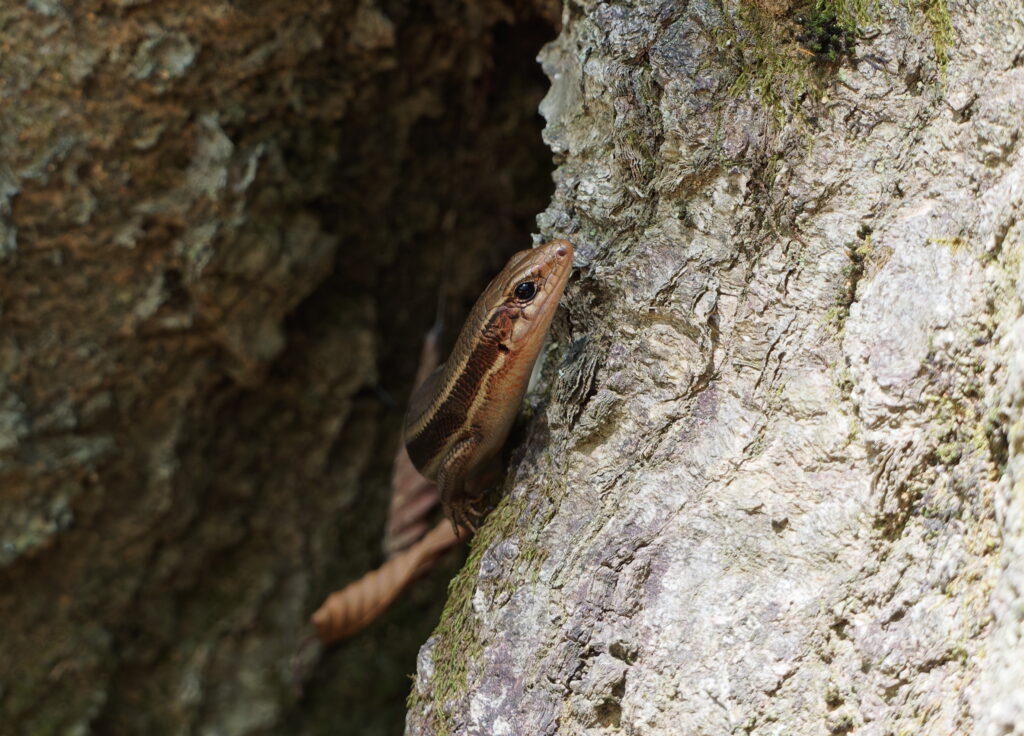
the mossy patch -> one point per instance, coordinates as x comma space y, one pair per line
955, 243
829, 28
858, 254
457, 635
785, 51
939, 25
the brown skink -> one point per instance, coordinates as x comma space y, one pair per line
459, 417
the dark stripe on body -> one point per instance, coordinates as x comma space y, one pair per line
451, 414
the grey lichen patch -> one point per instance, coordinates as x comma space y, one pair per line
207, 173
8, 231
957, 457
960, 453
14, 425
35, 524
46, 7
164, 57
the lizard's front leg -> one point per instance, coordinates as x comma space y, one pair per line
451, 481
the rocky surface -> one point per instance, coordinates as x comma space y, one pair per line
773, 485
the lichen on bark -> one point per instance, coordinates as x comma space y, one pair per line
778, 443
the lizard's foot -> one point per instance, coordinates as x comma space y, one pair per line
466, 516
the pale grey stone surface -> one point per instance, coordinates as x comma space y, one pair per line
776, 486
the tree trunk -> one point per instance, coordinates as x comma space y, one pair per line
775, 485
223, 227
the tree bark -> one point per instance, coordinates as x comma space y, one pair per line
223, 227
776, 481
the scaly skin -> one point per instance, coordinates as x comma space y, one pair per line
459, 417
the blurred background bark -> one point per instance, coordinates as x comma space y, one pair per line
222, 231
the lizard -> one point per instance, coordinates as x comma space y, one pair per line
459, 417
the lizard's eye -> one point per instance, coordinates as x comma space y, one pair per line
525, 291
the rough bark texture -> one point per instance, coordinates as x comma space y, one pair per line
777, 485
221, 235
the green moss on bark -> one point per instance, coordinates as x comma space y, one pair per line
786, 50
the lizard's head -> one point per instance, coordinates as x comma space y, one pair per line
532, 283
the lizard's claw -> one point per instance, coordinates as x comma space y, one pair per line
466, 515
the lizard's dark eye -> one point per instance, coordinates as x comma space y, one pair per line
525, 291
